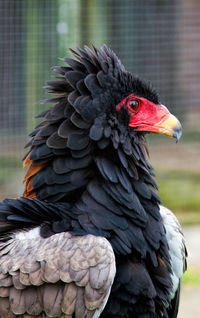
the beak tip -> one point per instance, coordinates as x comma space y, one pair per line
177, 133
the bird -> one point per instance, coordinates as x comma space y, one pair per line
89, 236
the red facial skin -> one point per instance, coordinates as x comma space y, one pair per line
148, 115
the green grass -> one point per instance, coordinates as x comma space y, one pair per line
191, 277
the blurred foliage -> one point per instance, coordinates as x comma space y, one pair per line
14, 165
179, 190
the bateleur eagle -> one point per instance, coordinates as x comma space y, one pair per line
89, 237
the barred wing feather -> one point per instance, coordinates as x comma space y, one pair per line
55, 277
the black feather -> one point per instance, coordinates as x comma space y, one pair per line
67, 129
58, 86
75, 65
91, 68
122, 158
93, 85
123, 179
107, 169
62, 165
60, 69
56, 113
174, 306
77, 142
142, 189
96, 132
73, 96
82, 153
73, 77
77, 120
99, 195
41, 152
56, 142
103, 143
48, 130
107, 131
80, 101
68, 110
81, 87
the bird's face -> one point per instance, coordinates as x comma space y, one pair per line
149, 117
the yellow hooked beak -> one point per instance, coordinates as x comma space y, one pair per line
170, 126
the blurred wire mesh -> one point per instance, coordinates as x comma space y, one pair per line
157, 40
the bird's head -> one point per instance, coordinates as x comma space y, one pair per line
101, 87
149, 116
104, 103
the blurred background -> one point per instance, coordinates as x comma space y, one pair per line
157, 40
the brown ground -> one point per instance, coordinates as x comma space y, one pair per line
189, 307
190, 297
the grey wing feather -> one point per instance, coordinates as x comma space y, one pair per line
173, 310
177, 247
58, 276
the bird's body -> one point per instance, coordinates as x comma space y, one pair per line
88, 237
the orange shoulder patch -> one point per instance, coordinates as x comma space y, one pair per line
33, 169
27, 161
29, 191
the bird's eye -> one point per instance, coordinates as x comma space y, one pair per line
134, 104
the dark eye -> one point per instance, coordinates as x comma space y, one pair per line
134, 104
